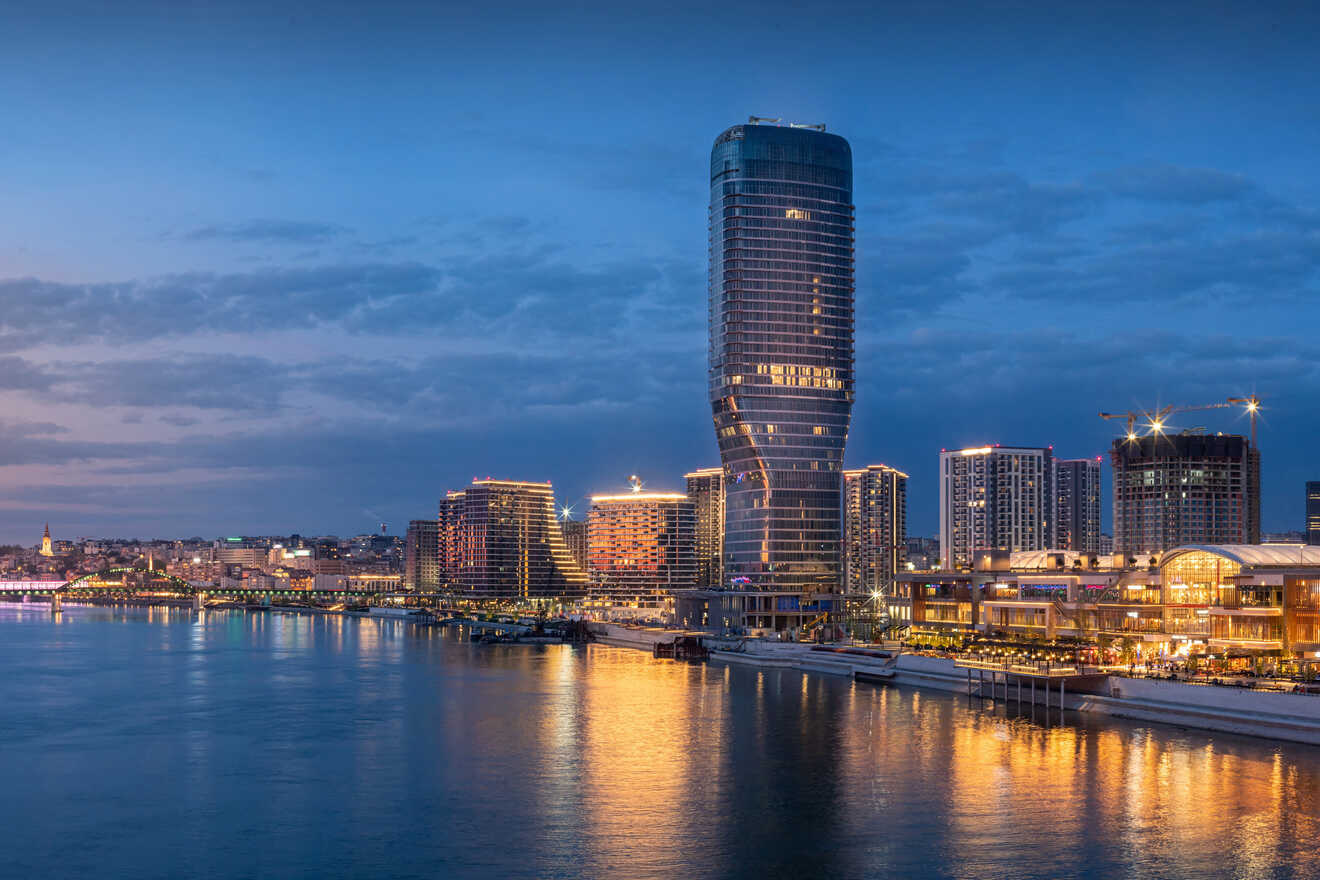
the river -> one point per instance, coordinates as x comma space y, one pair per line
161, 743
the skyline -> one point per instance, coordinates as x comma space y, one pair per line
254, 282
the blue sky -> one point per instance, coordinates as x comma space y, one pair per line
272, 268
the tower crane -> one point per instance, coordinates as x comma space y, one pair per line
1252, 403
1156, 419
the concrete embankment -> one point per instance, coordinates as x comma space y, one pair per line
643, 638
1273, 715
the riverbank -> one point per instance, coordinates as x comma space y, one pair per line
1269, 715
1281, 716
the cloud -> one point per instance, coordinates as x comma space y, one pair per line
530, 292
1177, 264
1174, 183
216, 382
178, 305
268, 231
41, 443
17, 374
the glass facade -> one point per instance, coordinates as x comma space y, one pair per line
499, 539
641, 547
781, 350
705, 489
421, 556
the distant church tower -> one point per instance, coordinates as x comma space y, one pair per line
46, 549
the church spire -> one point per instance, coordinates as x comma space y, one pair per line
46, 548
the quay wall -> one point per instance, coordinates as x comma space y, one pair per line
1281, 716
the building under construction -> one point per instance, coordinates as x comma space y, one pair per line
1172, 490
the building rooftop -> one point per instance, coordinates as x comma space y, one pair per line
1027, 560
1255, 554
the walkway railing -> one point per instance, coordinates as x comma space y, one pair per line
1043, 668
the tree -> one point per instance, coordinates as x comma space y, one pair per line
1127, 649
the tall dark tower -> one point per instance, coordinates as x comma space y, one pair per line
781, 350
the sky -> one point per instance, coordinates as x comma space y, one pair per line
271, 268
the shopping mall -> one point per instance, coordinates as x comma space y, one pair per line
1220, 602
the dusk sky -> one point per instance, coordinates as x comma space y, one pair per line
271, 268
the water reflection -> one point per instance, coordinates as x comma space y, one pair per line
321, 745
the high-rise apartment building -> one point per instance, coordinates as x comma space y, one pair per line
1313, 512
421, 556
995, 498
705, 489
781, 350
575, 536
1077, 511
874, 528
641, 546
1171, 490
499, 539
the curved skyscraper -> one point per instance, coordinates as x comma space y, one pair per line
781, 351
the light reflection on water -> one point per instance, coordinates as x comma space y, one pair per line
157, 743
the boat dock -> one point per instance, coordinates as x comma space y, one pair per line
1034, 673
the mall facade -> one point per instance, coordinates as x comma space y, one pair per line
1224, 600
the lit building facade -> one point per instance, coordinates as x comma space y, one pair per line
575, 536
641, 547
874, 528
1171, 490
1077, 511
995, 498
421, 556
1313, 513
499, 539
781, 353
705, 489
1227, 600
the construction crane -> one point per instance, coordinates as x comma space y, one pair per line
1252, 403
1157, 419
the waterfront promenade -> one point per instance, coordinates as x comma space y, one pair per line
1293, 717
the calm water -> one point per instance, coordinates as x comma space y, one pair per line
154, 743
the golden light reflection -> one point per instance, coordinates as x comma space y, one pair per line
1162, 795
647, 744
